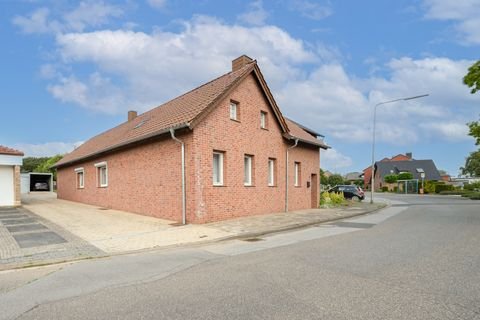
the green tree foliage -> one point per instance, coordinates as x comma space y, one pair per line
391, 178
472, 164
31, 163
405, 176
475, 131
335, 179
472, 78
323, 178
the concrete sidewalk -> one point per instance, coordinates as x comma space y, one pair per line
115, 232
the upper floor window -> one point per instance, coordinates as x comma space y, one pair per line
248, 168
263, 120
233, 110
102, 174
217, 168
80, 173
297, 173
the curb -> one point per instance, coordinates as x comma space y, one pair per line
242, 236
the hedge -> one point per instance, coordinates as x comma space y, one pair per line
443, 187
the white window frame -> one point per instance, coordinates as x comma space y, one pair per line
233, 111
297, 174
263, 120
219, 181
271, 172
99, 167
80, 171
247, 170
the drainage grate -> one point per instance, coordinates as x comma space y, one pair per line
358, 225
252, 239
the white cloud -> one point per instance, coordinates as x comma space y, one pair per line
157, 4
257, 14
312, 10
334, 161
47, 149
86, 14
465, 15
448, 130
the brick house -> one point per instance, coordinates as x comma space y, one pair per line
367, 172
10, 163
216, 152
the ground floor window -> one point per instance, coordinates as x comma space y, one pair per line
217, 168
297, 173
80, 173
102, 174
271, 172
248, 164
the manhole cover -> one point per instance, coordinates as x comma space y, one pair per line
30, 240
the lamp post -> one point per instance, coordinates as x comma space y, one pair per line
372, 186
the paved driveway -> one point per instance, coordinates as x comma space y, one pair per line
26, 238
113, 230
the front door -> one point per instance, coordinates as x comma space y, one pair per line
314, 190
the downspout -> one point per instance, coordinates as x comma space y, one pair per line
286, 175
184, 195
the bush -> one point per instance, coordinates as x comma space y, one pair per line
391, 178
475, 196
453, 192
472, 186
333, 199
405, 176
384, 189
395, 189
429, 187
443, 187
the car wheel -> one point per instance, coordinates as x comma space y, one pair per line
355, 198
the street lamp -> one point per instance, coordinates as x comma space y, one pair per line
372, 186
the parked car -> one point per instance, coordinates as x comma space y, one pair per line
349, 191
41, 186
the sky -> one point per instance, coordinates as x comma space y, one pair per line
71, 70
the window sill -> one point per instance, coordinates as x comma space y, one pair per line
218, 185
103, 186
249, 185
266, 129
235, 120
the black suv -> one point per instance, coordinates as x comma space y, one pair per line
349, 192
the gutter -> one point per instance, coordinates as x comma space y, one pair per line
286, 175
120, 145
184, 195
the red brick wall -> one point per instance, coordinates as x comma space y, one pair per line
147, 178
237, 138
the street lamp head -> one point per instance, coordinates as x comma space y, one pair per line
416, 97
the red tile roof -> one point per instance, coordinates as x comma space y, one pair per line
296, 131
180, 112
10, 151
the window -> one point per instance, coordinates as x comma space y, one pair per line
271, 172
297, 174
218, 168
102, 174
263, 120
247, 177
233, 110
80, 173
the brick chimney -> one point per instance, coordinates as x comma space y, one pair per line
409, 155
132, 115
240, 62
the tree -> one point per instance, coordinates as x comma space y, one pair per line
472, 164
47, 164
323, 178
475, 131
405, 176
335, 179
472, 78
31, 163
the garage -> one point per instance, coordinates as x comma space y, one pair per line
36, 181
10, 162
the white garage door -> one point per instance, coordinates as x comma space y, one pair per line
6, 186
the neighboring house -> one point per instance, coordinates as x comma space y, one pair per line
352, 177
10, 163
415, 167
241, 156
367, 172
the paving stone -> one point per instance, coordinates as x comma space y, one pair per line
30, 240
27, 227
12, 222
2, 212
13, 216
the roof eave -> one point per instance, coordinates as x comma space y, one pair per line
317, 144
121, 145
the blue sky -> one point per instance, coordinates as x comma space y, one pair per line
72, 69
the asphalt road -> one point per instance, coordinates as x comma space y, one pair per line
419, 259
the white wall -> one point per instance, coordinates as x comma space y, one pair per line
9, 160
7, 191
